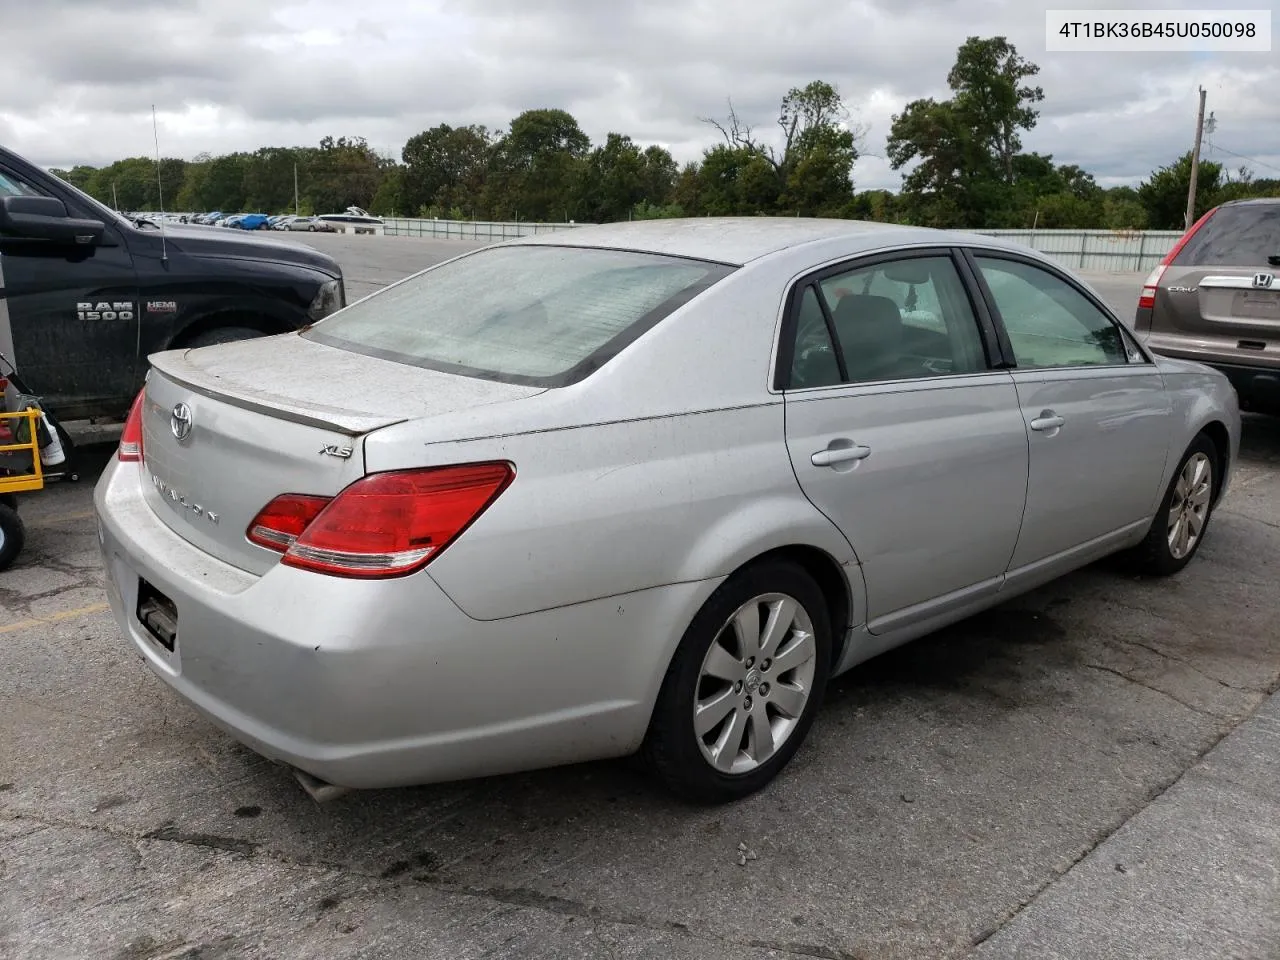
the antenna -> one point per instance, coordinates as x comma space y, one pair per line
155, 129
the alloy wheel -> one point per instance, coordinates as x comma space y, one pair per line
1189, 507
755, 681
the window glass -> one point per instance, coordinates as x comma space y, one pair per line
11, 186
1049, 322
904, 319
814, 362
1243, 236
526, 314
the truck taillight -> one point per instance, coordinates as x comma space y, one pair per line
130, 450
1147, 299
384, 525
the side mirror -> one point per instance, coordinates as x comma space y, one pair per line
45, 218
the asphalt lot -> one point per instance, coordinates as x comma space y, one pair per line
1040, 771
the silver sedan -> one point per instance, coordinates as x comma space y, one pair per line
640, 487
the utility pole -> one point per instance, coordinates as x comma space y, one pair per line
1195, 164
296, 208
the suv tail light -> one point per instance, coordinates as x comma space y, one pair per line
384, 525
1147, 299
130, 450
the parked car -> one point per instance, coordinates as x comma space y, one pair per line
1215, 298
312, 225
251, 221
86, 294
643, 486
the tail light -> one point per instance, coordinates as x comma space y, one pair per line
130, 450
1147, 299
279, 524
384, 525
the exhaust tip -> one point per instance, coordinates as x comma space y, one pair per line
317, 789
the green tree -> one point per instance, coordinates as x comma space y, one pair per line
1164, 193
535, 166
611, 180
445, 166
937, 191
962, 152
991, 98
344, 172
224, 188
810, 174
660, 172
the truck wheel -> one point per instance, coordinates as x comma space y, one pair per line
223, 335
12, 536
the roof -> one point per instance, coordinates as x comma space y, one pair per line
1252, 201
732, 240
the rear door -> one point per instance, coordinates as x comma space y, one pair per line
903, 433
72, 314
1221, 294
1098, 418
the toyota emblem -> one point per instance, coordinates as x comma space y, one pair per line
180, 421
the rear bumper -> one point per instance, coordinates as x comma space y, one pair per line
387, 683
1257, 387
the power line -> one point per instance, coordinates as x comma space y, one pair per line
1241, 156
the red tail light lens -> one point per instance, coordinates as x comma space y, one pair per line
1147, 299
130, 450
282, 521
385, 525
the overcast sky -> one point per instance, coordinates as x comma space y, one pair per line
78, 77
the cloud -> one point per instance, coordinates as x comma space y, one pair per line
79, 76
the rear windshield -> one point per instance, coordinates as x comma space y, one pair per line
536, 315
1243, 236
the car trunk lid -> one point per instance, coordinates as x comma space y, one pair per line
226, 429
1222, 286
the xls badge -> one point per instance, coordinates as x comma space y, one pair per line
105, 310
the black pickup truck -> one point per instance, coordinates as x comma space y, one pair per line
86, 295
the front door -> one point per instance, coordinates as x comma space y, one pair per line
68, 316
1097, 414
903, 434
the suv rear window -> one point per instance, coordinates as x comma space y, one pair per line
537, 315
1243, 236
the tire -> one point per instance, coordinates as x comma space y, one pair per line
222, 335
1157, 556
722, 764
311, 229
12, 536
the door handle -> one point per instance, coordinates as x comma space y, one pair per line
834, 455
1048, 420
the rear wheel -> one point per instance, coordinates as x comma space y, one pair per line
12, 535
1183, 518
744, 685
223, 335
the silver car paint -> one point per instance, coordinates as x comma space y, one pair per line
946, 469
1099, 471
542, 635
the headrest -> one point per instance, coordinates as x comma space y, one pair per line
867, 322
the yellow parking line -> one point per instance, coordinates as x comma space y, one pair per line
54, 618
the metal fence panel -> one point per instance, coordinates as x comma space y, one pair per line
1101, 250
